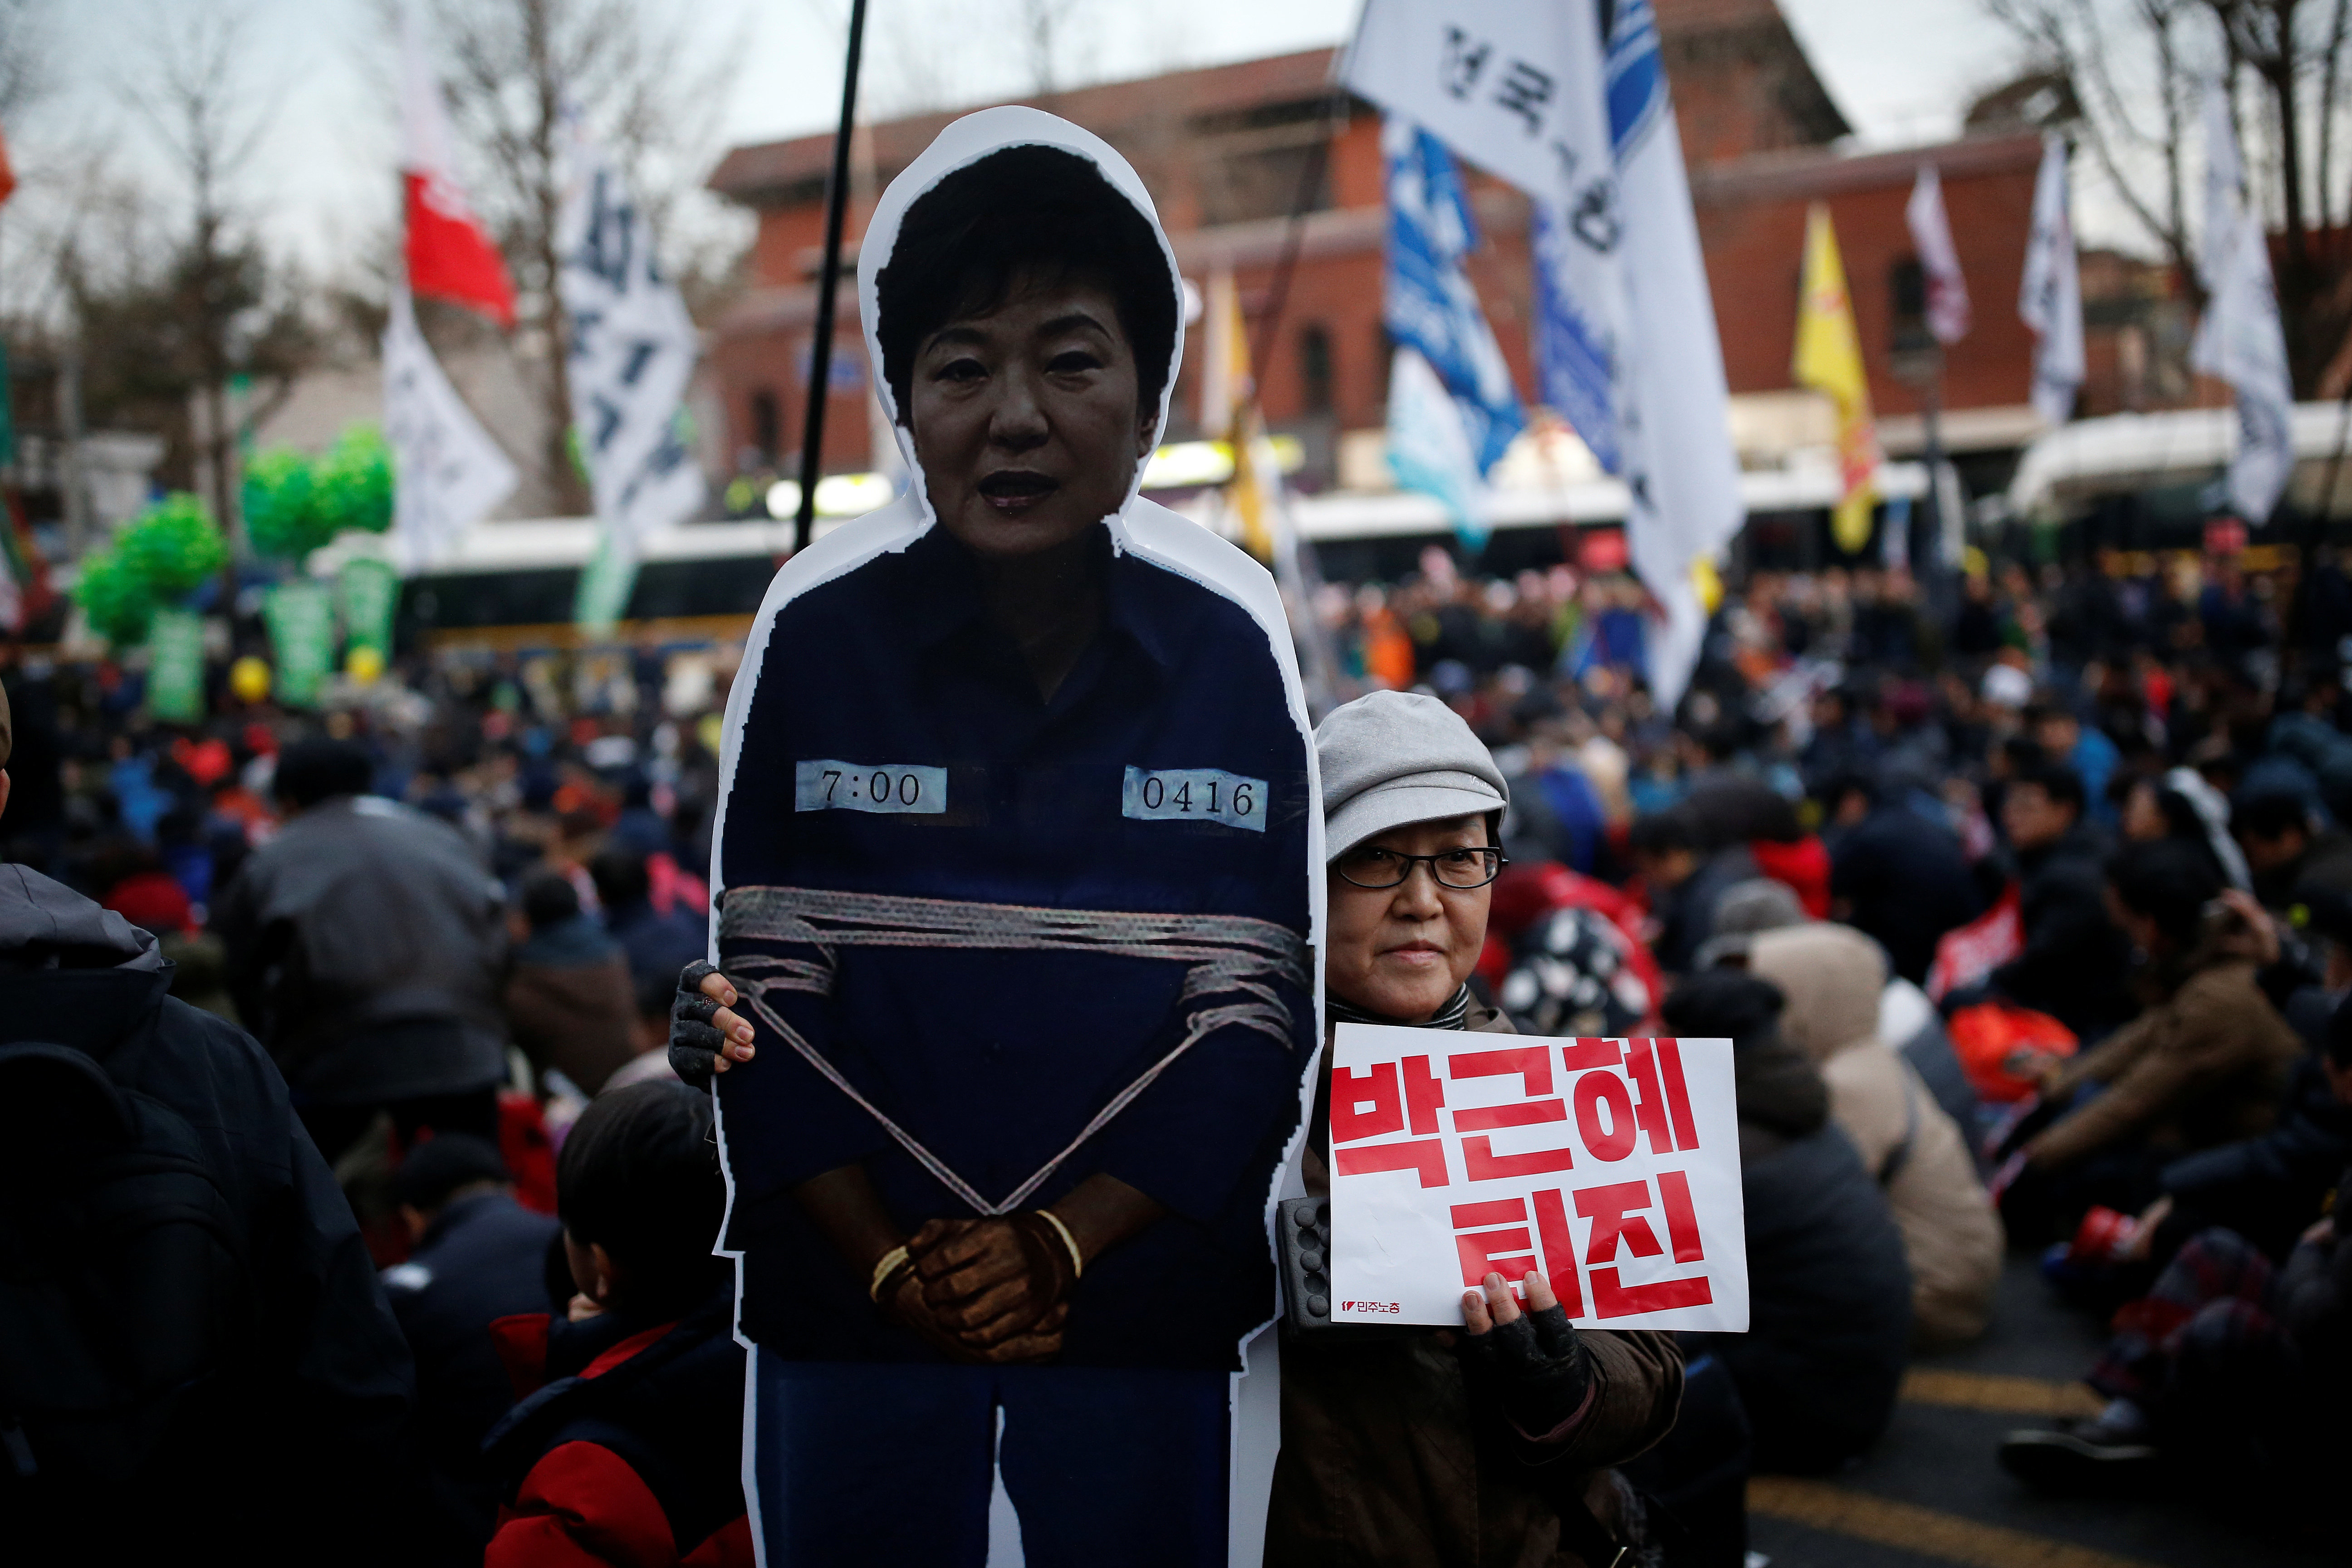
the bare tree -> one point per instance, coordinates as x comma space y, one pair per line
520, 66
24, 57
1043, 23
197, 96
2138, 68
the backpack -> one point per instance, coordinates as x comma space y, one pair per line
126, 1293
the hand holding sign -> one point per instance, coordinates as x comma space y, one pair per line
1530, 1361
1612, 1165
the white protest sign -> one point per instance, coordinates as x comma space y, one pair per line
1612, 1165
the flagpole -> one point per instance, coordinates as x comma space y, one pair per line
836, 198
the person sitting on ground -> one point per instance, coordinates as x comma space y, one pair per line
2267, 1188
569, 998
2207, 1064
160, 1199
2231, 1364
479, 1256
660, 943
2284, 848
1834, 977
1828, 1293
1896, 874
2074, 958
365, 950
626, 1448
1685, 878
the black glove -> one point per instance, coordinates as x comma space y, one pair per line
1534, 1366
694, 1043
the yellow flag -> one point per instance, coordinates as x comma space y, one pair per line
1229, 402
1828, 358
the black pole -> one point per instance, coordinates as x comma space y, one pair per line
836, 198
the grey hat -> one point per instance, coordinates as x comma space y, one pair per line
1397, 757
1744, 911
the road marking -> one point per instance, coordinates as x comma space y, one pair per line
1817, 1505
1990, 1391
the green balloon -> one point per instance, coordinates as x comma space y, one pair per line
120, 606
282, 514
353, 482
173, 546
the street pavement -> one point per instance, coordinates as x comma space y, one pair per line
1931, 1493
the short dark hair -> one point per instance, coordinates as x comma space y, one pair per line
312, 771
1725, 1004
639, 1177
443, 1163
2062, 783
965, 242
1663, 832
621, 878
2169, 881
548, 898
2270, 814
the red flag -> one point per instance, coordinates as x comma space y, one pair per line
7, 172
449, 254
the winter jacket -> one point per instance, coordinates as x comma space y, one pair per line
1903, 881
290, 1449
2205, 1067
1686, 912
1387, 1461
365, 948
483, 1258
1829, 1294
2074, 962
626, 1448
571, 1004
2268, 1187
1834, 978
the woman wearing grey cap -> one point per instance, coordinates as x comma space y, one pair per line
1415, 1445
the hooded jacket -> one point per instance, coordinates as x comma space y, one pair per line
288, 1452
1829, 1294
1834, 979
2076, 959
364, 948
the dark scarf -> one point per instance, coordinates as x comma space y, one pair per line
1454, 1015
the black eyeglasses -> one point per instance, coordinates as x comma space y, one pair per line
1461, 870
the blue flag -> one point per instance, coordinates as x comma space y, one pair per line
1431, 306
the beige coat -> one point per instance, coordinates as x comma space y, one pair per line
1834, 976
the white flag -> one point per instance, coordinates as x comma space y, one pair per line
631, 356
2050, 298
1682, 468
1521, 90
1931, 234
447, 474
2240, 339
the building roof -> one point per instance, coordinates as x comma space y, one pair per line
1816, 172
773, 172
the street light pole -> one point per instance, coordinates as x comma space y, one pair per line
836, 198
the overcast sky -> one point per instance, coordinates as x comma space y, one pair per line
1901, 70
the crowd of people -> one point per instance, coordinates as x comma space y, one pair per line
2029, 921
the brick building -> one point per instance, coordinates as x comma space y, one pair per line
1227, 149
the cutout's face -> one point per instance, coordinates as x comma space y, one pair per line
1026, 417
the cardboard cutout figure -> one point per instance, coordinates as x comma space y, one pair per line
1014, 848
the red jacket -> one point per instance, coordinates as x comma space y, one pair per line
632, 1461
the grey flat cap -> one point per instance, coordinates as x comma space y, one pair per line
1394, 758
